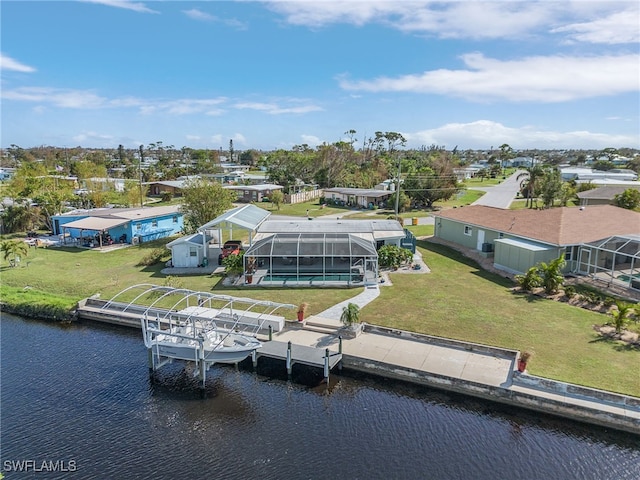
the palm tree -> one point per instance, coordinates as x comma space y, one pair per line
529, 180
13, 249
552, 277
350, 315
620, 314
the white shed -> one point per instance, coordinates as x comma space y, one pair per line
189, 251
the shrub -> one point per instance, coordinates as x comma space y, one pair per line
393, 256
234, 263
569, 291
529, 280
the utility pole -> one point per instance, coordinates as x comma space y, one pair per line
398, 186
140, 173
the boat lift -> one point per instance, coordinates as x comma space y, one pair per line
199, 327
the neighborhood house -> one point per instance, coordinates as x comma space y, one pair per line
600, 240
105, 226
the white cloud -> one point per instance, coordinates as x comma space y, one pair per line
593, 22
196, 14
93, 138
127, 5
533, 79
619, 27
215, 140
482, 134
240, 138
274, 109
311, 140
191, 106
84, 99
8, 63
57, 97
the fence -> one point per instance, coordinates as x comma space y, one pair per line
302, 196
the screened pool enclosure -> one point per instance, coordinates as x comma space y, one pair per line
312, 259
615, 259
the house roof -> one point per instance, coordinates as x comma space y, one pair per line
125, 213
258, 188
605, 193
359, 192
195, 238
168, 183
95, 223
556, 226
248, 217
379, 229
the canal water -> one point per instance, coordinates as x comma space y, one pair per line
77, 402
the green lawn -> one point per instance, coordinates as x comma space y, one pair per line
300, 209
459, 300
456, 300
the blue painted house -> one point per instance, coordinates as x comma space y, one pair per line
105, 226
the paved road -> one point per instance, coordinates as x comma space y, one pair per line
500, 196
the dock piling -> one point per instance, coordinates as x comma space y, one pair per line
326, 365
289, 365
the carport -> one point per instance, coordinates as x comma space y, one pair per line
91, 224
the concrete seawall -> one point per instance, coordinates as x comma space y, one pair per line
525, 399
408, 356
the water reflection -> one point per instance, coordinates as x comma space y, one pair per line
87, 395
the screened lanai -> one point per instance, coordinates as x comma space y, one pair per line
312, 259
614, 259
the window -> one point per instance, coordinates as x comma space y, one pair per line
501, 235
193, 252
154, 223
175, 219
468, 230
138, 226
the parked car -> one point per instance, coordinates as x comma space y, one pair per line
230, 247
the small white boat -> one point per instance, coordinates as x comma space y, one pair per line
197, 343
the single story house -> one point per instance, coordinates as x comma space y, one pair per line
102, 226
158, 188
598, 239
254, 193
361, 197
602, 195
293, 252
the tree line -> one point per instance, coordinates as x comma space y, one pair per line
40, 187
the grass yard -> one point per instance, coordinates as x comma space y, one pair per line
459, 300
300, 209
76, 273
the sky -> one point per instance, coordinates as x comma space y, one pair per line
275, 74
